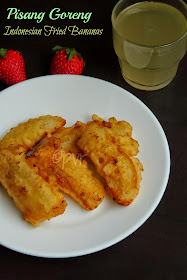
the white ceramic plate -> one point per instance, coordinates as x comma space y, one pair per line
78, 232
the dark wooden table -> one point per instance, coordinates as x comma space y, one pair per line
157, 250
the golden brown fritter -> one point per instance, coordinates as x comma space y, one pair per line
69, 137
68, 172
111, 148
32, 194
31, 132
38, 200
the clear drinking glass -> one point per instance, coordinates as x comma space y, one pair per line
148, 67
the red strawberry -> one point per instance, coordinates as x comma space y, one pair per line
12, 67
66, 61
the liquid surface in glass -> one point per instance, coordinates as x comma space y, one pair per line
151, 24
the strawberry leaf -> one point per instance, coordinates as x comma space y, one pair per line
71, 55
57, 49
3, 52
79, 55
68, 50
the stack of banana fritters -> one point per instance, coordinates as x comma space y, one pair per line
37, 182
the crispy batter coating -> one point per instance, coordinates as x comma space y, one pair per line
38, 200
67, 171
111, 148
32, 194
69, 137
31, 132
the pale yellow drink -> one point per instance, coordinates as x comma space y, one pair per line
149, 40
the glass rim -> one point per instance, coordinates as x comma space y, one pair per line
149, 47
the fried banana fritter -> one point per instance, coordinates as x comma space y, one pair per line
69, 137
111, 148
65, 170
31, 132
32, 194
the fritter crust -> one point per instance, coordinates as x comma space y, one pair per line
69, 137
38, 200
32, 194
111, 148
29, 133
68, 172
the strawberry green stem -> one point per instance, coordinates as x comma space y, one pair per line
70, 52
3, 52
57, 49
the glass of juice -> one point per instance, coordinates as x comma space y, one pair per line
150, 39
